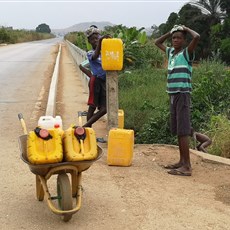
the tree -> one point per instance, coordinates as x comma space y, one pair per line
220, 34
43, 28
171, 21
193, 17
211, 15
225, 6
211, 8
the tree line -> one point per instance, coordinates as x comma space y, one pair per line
10, 36
211, 19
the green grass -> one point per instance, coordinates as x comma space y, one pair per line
143, 97
140, 93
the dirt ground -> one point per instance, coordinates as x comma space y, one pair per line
142, 196
153, 199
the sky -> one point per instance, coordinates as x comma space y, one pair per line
64, 14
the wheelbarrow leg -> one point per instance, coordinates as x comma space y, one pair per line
74, 177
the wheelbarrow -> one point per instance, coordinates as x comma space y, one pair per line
66, 191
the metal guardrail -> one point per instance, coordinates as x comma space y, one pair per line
79, 56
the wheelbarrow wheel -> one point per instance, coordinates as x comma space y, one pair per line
39, 189
64, 195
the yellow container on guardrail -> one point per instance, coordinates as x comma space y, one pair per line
120, 147
112, 54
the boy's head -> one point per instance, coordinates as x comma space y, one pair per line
178, 28
92, 30
178, 36
92, 33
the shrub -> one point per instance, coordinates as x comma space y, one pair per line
225, 50
16, 36
157, 129
210, 95
220, 133
4, 36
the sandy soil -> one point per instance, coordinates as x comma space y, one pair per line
149, 197
142, 196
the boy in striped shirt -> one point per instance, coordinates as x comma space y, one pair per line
179, 89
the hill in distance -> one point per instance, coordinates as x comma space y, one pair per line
81, 27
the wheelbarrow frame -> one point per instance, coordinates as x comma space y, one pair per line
43, 173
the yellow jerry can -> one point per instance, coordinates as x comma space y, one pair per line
112, 54
120, 147
79, 150
41, 151
121, 119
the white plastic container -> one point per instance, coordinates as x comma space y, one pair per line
58, 122
49, 122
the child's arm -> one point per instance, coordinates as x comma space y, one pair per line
195, 38
98, 49
85, 71
159, 42
85, 68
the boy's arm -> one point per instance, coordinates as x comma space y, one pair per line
159, 41
98, 48
85, 71
195, 38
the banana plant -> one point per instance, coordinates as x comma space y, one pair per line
133, 39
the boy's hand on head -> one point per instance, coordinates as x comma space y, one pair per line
184, 27
176, 28
105, 36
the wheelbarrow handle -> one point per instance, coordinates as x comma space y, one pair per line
79, 113
21, 119
80, 118
20, 116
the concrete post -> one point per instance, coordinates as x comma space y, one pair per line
112, 99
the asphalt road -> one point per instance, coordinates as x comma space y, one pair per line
25, 70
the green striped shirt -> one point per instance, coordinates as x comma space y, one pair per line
179, 71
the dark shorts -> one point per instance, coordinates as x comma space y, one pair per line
180, 114
99, 93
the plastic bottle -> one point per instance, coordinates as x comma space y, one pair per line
46, 122
58, 121
49, 122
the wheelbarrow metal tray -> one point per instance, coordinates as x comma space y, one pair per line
43, 169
